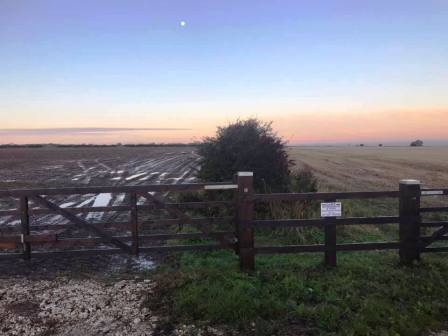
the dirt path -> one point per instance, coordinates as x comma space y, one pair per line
76, 295
84, 296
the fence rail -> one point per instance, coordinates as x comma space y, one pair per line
326, 221
323, 196
241, 236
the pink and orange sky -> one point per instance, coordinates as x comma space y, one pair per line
323, 72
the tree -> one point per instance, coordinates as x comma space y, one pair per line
246, 145
416, 143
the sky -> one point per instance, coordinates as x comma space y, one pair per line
322, 71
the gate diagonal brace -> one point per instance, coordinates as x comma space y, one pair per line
160, 202
82, 223
435, 236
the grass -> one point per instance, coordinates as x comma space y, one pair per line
367, 294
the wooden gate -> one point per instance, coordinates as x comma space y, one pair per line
441, 226
56, 237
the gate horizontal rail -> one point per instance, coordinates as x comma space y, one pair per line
115, 189
185, 205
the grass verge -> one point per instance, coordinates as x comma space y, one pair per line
367, 294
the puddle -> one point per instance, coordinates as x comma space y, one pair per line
133, 177
102, 200
143, 263
87, 201
66, 205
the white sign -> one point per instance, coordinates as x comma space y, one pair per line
333, 209
432, 192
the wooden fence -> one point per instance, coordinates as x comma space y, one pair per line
239, 237
409, 219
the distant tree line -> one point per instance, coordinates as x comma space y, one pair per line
97, 145
22, 146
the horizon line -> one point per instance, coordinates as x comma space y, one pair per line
93, 129
192, 143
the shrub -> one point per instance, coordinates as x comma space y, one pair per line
246, 145
416, 143
303, 181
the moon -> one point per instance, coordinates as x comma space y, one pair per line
183, 23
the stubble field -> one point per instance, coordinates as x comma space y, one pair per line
373, 168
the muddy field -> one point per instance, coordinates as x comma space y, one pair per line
373, 168
100, 166
52, 166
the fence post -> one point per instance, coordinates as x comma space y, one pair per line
409, 221
134, 223
330, 242
244, 229
25, 226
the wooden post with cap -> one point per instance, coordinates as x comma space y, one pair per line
330, 258
25, 226
134, 223
409, 221
244, 216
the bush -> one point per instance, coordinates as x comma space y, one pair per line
303, 181
416, 143
246, 145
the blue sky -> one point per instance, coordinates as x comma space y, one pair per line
131, 63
